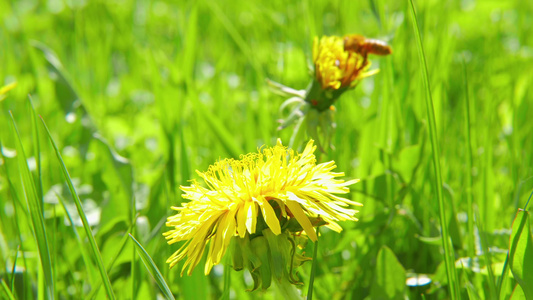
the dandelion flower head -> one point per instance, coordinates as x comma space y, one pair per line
336, 66
274, 185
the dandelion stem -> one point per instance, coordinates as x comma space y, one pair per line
313, 267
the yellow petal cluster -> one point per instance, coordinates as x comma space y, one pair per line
336, 67
275, 182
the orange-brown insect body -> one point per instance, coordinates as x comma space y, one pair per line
364, 46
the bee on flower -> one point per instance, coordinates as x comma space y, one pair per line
339, 64
262, 206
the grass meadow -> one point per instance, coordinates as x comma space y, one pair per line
118, 102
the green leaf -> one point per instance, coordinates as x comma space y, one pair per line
518, 293
435, 241
65, 92
278, 263
390, 277
152, 269
521, 252
407, 161
66, 95
121, 165
260, 248
94, 247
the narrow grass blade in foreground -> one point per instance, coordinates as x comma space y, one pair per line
7, 292
152, 268
448, 250
482, 236
470, 166
14, 269
37, 150
521, 252
36, 214
94, 247
111, 263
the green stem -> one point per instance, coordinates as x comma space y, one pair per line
313, 267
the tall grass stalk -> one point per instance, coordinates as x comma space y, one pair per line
448, 250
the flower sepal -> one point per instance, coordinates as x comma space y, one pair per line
268, 256
322, 99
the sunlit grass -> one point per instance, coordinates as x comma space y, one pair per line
138, 94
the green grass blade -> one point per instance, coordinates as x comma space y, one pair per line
448, 250
470, 166
191, 42
487, 254
94, 247
310, 20
313, 268
171, 162
521, 252
114, 259
7, 291
184, 158
527, 203
152, 269
133, 270
17, 202
37, 150
13, 269
85, 256
35, 208
503, 278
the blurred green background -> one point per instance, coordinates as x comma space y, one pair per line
139, 94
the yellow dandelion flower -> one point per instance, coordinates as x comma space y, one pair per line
339, 64
337, 67
275, 185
